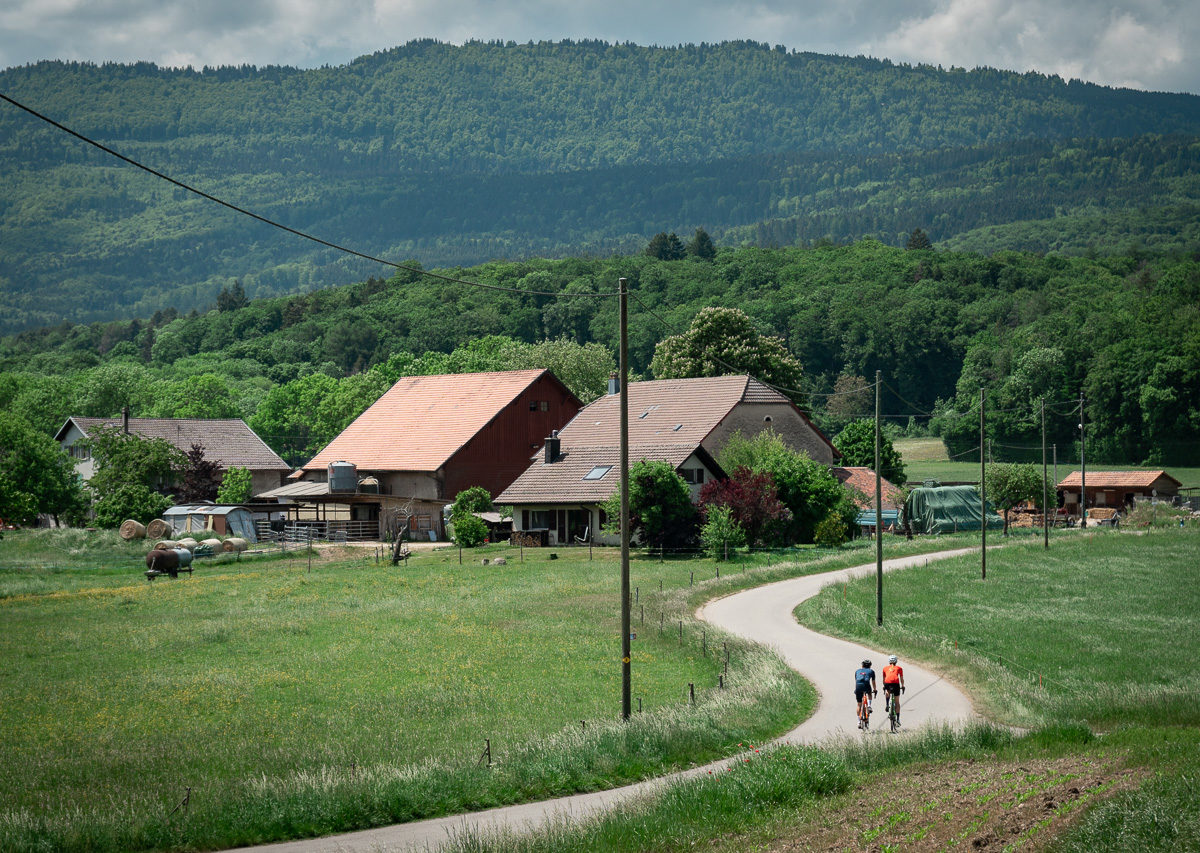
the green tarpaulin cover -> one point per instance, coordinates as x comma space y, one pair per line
946, 509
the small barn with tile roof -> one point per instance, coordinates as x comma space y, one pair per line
424, 441
227, 441
685, 422
1117, 489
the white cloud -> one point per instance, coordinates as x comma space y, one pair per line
1138, 44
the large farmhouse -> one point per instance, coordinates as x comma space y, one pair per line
227, 441
685, 422
424, 441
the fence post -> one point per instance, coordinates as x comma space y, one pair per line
310, 550
681, 632
704, 643
721, 682
692, 692
639, 704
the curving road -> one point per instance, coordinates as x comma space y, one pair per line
762, 614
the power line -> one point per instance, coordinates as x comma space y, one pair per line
274, 224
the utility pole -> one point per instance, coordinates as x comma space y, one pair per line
878, 512
626, 648
1045, 484
1082, 470
982, 491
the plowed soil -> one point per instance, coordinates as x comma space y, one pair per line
963, 805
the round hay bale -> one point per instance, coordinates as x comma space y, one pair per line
165, 545
235, 544
158, 529
215, 544
189, 543
131, 529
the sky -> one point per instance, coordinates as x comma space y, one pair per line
1142, 44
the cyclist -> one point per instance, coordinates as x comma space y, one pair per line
864, 686
893, 685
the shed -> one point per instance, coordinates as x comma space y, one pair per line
223, 520
946, 509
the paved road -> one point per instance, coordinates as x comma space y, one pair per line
763, 614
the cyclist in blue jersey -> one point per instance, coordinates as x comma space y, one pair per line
864, 687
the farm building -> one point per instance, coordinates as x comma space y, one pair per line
227, 441
424, 441
202, 518
1117, 489
860, 480
684, 422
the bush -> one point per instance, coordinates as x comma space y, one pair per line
721, 533
469, 531
130, 501
831, 532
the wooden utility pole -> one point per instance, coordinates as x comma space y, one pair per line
1082, 469
982, 491
1045, 484
878, 512
626, 647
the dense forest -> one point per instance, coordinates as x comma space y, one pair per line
1122, 330
456, 155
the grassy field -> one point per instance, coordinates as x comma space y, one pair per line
294, 702
926, 459
1109, 616
1100, 629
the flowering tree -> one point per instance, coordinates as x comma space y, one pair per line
722, 342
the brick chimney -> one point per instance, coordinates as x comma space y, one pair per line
552, 445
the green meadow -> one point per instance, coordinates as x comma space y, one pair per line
296, 699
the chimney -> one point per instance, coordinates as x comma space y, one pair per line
125, 419
552, 447
614, 384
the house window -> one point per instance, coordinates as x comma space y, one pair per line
539, 519
79, 451
597, 472
424, 522
695, 476
539, 405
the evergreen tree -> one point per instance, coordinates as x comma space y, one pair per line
701, 246
918, 240
666, 247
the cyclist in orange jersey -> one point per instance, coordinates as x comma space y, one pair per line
893, 685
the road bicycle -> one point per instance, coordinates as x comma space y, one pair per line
864, 712
893, 703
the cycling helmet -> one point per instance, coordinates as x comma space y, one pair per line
892, 659
866, 663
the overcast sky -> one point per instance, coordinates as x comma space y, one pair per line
1144, 44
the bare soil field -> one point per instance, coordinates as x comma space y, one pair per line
962, 805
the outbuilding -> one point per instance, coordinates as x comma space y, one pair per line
205, 518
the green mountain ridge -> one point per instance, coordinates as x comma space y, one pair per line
460, 154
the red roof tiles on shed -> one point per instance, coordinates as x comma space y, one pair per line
1117, 479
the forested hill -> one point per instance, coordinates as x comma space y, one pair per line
459, 154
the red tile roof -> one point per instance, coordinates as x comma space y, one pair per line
862, 481
563, 480
422, 421
1118, 479
226, 440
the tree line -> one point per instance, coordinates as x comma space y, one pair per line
446, 153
